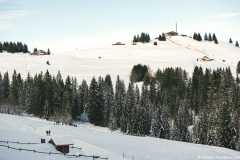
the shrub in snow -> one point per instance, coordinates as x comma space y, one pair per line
83, 117
138, 72
155, 43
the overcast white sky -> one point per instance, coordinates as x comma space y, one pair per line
64, 25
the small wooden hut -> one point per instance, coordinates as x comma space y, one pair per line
204, 58
118, 43
61, 143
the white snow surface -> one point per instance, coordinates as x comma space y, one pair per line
96, 141
119, 60
113, 60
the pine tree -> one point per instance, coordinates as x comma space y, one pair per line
163, 37
20, 46
130, 101
48, 52
101, 100
46, 110
182, 122
201, 127
199, 38
138, 38
209, 37
28, 83
14, 87
66, 108
25, 48
109, 99
134, 38
6, 85
156, 126
237, 45
119, 99
224, 132
1, 47
48, 89
112, 124
215, 38
205, 37
135, 112
83, 95
195, 36
144, 108
1, 87
148, 38
238, 67
58, 89
230, 40
75, 109
93, 109
160, 37
37, 98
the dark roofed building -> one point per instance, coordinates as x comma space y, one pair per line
61, 143
119, 43
172, 33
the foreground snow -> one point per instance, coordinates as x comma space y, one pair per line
96, 141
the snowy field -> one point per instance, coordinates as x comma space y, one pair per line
119, 60
96, 141
114, 60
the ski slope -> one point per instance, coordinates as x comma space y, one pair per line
96, 141
119, 60
114, 60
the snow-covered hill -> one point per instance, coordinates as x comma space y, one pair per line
114, 60
84, 64
96, 141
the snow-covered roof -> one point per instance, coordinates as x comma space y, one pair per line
61, 141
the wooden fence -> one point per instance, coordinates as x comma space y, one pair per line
50, 153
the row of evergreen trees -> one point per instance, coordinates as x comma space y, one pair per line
236, 44
162, 37
144, 38
13, 47
168, 106
210, 38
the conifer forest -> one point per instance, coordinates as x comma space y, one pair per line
203, 108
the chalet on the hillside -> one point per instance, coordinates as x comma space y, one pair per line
172, 33
39, 53
119, 43
204, 58
134, 43
61, 143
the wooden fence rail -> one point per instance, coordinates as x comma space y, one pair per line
67, 155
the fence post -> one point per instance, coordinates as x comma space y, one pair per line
123, 154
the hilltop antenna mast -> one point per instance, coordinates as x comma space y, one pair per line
176, 27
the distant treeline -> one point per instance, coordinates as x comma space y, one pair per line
168, 106
145, 38
13, 47
209, 37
